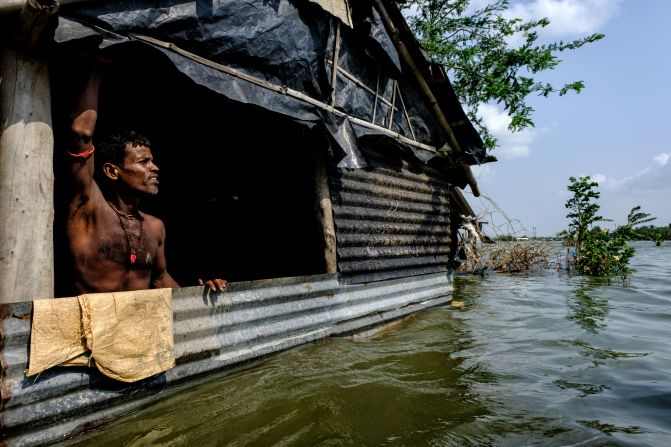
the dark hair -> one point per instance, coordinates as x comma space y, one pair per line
112, 149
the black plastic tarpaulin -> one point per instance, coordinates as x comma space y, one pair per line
276, 54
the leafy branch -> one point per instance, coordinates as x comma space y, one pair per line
483, 64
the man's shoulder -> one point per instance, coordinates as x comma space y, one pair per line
152, 221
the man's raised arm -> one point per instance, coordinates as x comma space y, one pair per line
80, 149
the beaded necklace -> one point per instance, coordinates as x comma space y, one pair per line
133, 251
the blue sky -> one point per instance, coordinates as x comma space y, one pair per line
615, 130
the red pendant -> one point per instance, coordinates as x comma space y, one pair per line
132, 258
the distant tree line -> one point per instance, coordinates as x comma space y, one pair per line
648, 233
506, 237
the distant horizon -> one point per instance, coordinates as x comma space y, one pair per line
531, 235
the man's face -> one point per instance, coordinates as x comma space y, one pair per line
139, 171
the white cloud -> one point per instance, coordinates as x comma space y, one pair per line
568, 18
656, 177
599, 178
662, 158
649, 187
511, 144
617, 184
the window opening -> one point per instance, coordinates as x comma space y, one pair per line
236, 182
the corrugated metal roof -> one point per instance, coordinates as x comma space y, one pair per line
212, 332
391, 220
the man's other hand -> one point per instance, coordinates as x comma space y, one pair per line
215, 285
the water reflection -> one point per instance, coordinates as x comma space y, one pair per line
610, 428
586, 309
408, 386
585, 388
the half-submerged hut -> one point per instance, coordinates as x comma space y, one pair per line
310, 154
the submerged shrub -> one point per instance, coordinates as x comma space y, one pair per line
603, 255
598, 253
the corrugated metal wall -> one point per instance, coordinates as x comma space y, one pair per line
392, 220
212, 332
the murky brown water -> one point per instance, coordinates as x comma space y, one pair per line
546, 359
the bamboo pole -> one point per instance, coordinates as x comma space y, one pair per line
426, 91
325, 212
407, 117
26, 165
377, 93
393, 104
334, 66
360, 84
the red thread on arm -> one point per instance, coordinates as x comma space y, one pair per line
84, 154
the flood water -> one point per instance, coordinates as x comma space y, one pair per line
537, 359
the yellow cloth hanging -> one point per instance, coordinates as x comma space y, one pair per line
56, 334
129, 334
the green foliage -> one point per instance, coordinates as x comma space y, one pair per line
483, 65
602, 254
640, 233
598, 253
636, 217
583, 207
651, 233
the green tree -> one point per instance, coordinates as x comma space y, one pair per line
597, 252
634, 218
483, 65
583, 208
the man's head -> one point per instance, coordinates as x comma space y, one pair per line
125, 161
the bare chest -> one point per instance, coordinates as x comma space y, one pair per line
127, 241
111, 240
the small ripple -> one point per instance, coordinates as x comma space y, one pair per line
609, 428
585, 388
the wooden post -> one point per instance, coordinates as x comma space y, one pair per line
26, 172
34, 18
325, 212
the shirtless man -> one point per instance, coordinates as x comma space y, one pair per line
115, 246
